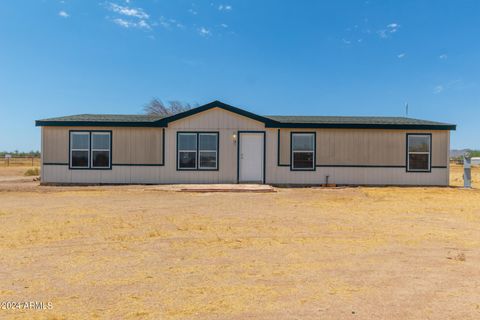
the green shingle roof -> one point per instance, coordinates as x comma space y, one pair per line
118, 120
106, 118
353, 120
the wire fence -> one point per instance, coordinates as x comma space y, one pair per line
20, 162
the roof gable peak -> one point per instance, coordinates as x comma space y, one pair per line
215, 104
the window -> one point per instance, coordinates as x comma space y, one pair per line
79, 149
197, 150
90, 149
303, 151
100, 149
418, 152
187, 151
207, 150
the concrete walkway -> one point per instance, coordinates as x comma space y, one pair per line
217, 188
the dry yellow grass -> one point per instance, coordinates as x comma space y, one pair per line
135, 252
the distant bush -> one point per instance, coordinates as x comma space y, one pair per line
32, 172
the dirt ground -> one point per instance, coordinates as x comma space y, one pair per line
143, 252
456, 176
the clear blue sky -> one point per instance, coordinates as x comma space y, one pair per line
270, 57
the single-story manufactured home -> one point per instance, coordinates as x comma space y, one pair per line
219, 143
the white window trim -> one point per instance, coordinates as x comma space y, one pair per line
186, 150
108, 150
429, 152
76, 149
303, 151
210, 151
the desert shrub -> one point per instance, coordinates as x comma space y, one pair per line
32, 172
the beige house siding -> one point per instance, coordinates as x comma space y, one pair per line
440, 148
55, 144
365, 146
129, 145
137, 154
140, 146
360, 175
137, 146
227, 124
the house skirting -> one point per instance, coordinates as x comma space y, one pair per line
276, 175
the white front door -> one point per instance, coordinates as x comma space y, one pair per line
251, 156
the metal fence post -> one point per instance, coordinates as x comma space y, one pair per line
467, 171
